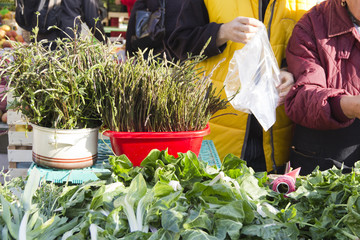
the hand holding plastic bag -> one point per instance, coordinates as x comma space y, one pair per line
253, 76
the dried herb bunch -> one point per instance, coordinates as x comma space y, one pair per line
56, 88
155, 95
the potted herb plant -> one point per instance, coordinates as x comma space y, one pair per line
151, 103
53, 86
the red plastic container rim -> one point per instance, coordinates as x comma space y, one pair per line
149, 135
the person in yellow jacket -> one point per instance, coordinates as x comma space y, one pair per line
230, 24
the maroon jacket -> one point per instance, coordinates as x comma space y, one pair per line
324, 56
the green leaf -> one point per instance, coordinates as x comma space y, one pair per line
30, 188
196, 234
227, 227
163, 234
136, 236
239, 211
199, 219
171, 220
250, 185
106, 194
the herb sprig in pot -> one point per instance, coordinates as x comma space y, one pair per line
55, 88
155, 95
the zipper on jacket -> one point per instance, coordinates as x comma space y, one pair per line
260, 11
271, 129
273, 150
272, 7
271, 17
243, 150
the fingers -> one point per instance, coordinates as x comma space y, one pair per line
240, 30
249, 21
287, 81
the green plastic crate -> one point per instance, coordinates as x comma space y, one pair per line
207, 153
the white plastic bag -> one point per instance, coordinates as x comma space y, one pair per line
254, 74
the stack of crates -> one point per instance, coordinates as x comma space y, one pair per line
20, 143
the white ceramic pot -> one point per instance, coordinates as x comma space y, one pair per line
64, 148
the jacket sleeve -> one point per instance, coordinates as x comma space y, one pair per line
139, 4
193, 30
90, 10
309, 101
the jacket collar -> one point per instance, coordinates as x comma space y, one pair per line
339, 19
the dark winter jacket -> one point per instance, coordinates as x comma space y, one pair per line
172, 9
88, 10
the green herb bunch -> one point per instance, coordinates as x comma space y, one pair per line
150, 94
53, 84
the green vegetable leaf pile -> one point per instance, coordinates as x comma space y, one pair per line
182, 198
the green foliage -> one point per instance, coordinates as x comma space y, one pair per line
150, 94
56, 87
144, 203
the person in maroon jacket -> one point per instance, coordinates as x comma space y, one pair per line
324, 56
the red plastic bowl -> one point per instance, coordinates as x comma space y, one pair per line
137, 145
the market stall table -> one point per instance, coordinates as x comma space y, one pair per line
116, 31
207, 153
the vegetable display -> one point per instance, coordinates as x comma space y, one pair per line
146, 93
182, 198
53, 82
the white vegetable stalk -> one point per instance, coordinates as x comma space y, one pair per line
93, 231
129, 211
175, 185
221, 175
26, 200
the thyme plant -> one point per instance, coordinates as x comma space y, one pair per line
154, 95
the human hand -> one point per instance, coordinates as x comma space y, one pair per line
350, 106
286, 82
240, 30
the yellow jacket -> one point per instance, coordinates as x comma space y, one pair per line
228, 132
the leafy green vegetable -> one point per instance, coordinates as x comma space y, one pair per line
184, 198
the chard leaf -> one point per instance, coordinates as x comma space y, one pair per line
165, 174
13, 227
219, 193
191, 169
30, 188
199, 219
250, 185
239, 211
106, 194
196, 234
150, 161
136, 236
163, 234
116, 223
224, 227
271, 231
122, 168
137, 190
162, 189
171, 220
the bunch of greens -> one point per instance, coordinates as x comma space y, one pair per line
149, 94
186, 199
54, 83
26, 216
327, 204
